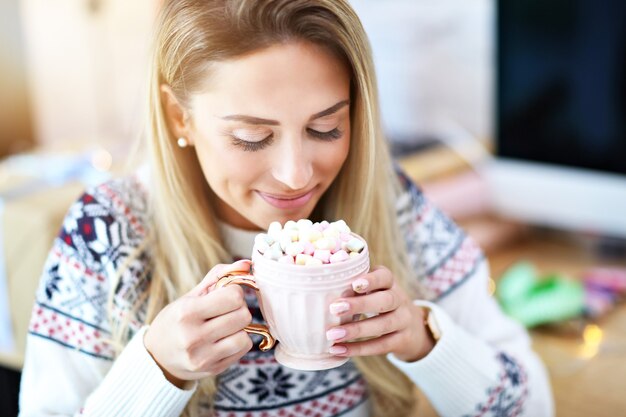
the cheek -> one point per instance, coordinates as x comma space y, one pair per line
226, 167
334, 159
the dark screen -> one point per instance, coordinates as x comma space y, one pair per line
561, 82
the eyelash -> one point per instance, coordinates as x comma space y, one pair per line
257, 146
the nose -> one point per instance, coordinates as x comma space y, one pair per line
292, 165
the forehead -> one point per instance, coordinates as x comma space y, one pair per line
284, 77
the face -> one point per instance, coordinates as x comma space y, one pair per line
271, 131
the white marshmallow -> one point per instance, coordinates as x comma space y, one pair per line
304, 224
313, 262
274, 230
294, 248
355, 245
290, 225
341, 226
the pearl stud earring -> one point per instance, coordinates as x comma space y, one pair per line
182, 142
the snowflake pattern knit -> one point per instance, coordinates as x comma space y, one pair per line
108, 223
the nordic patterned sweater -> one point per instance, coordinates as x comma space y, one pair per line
483, 364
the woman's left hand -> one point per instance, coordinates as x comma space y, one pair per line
397, 325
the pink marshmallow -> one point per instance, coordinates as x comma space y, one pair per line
337, 247
309, 248
339, 256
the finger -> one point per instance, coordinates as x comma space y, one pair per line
379, 278
226, 324
228, 361
368, 328
376, 303
378, 346
242, 266
232, 345
214, 304
211, 356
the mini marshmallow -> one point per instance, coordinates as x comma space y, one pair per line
313, 262
355, 245
340, 256
310, 235
274, 230
324, 243
294, 235
294, 248
304, 224
260, 243
286, 259
341, 226
290, 225
337, 247
309, 248
345, 236
284, 242
273, 253
302, 258
322, 254
331, 231
276, 250
324, 224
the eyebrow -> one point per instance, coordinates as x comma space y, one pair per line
259, 121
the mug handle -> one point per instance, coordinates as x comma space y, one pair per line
247, 280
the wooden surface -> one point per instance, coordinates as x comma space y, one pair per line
588, 378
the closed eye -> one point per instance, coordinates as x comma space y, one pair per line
330, 135
252, 146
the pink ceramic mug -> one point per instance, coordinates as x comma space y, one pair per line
295, 300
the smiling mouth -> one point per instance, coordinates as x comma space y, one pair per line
287, 202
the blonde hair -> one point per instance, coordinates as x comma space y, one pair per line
185, 240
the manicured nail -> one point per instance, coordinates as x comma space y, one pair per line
360, 285
336, 334
339, 307
337, 350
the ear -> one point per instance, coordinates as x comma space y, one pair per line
176, 115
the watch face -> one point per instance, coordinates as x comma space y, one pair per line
433, 326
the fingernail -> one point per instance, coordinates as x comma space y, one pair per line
339, 307
360, 284
335, 334
337, 350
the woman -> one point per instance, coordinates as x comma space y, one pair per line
263, 111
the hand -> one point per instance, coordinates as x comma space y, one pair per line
397, 326
201, 333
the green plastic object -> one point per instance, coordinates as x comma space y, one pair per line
516, 283
533, 301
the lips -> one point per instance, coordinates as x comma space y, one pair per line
287, 202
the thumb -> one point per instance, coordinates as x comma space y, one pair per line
240, 267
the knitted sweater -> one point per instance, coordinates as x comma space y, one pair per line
483, 364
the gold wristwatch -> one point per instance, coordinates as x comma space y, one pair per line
431, 325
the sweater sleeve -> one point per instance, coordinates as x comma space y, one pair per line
70, 367
483, 364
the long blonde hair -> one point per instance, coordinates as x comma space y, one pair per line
186, 241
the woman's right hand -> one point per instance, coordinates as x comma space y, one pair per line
201, 333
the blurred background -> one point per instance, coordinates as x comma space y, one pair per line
511, 116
